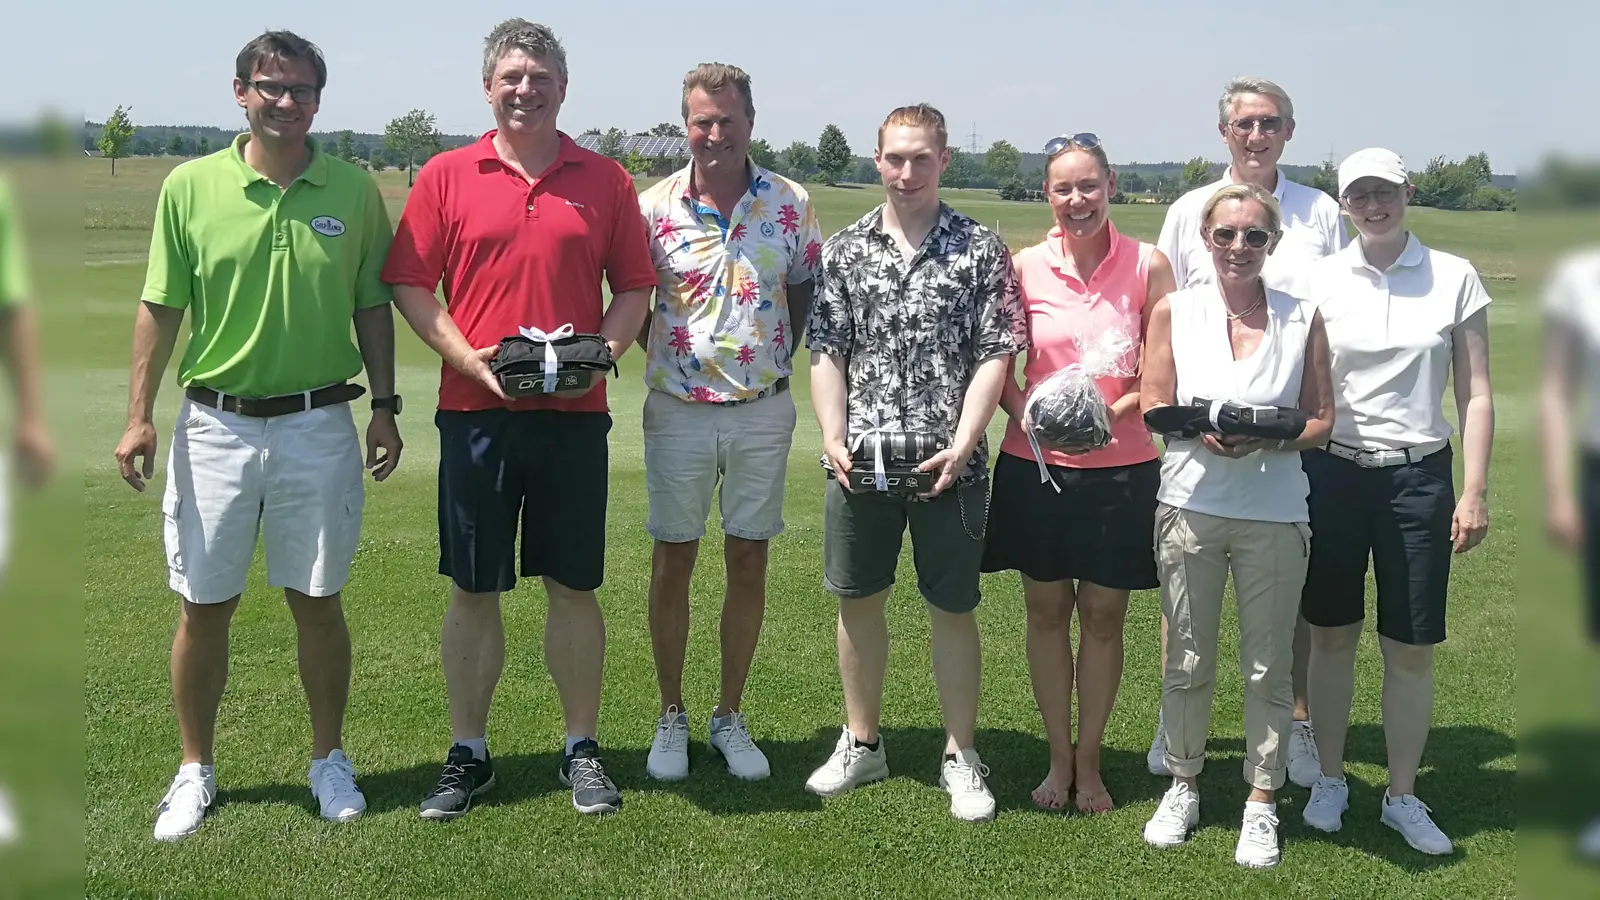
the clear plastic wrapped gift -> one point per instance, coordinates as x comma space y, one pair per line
1066, 411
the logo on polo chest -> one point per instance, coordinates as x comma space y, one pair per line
327, 226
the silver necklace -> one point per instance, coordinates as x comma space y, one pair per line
1252, 308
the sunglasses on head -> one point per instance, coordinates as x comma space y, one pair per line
1267, 124
1224, 236
1082, 139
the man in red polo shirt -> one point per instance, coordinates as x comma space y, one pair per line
521, 227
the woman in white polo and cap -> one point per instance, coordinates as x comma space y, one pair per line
1402, 318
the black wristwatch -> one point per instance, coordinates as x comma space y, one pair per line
390, 403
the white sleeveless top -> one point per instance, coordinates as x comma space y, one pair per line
1268, 485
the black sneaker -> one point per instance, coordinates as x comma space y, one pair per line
592, 791
464, 778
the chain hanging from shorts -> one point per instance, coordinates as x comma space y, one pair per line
961, 500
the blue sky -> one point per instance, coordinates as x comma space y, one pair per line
1423, 77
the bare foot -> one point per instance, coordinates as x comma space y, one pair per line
1053, 792
1092, 796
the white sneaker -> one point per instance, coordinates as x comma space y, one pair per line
1589, 842
733, 741
1157, 757
1178, 813
849, 767
1258, 839
1330, 797
1305, 766
185, 803
1409, 816
669, 752
962, 778
333, 784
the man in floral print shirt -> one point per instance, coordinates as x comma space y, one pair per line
914, 330
736, 250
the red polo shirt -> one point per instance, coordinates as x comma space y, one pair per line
514, 253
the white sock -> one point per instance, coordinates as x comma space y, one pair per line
478, 745
198, 769
574, 740
1258, 806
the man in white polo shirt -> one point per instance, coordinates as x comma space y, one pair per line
1256, 119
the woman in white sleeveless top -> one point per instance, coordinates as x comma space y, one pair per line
1233, 503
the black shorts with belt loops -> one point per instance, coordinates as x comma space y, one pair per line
546, 470
1399, 516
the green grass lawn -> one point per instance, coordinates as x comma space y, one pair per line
713, 834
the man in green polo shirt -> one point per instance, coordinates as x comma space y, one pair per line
273, 247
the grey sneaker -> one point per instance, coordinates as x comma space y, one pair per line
1305, 765
1409, 816
1330, 797
463, 779
592, 791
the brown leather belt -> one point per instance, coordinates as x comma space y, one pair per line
267, 407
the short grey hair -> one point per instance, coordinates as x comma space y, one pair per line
520, 34
1247, 85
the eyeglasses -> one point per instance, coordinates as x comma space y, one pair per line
1223, 236
1268, 125
1082, 139
303, 94
1383, 194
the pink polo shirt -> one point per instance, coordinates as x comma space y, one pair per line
1060, 307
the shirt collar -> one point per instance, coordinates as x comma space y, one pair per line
566, 155
1277, 189
683, 180
1065, 265
942, 227
316, 171
1411, 257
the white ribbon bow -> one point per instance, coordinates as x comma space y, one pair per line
880, 480
550, 360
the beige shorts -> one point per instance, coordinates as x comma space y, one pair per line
294, 481
689, 447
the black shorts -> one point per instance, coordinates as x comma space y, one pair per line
1099, 529
1591, 529
1400, 516
862, 533
547, 470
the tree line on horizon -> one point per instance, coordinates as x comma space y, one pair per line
410, 140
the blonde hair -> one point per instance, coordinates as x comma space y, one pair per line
717, 77
1242, 192
920, 115
1248, 85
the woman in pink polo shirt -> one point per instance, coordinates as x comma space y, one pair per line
1079, 527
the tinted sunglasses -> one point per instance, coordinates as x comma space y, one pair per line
1084, 139
1224, 236
1268, 125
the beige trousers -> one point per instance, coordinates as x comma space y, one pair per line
1194, 552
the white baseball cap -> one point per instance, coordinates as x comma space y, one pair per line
1373, 162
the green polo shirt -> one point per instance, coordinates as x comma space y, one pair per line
271, 277
13, 276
